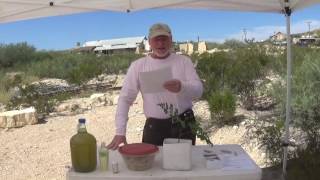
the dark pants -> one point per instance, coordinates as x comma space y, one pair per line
156, 130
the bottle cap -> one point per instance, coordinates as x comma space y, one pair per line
103, 144
82, 120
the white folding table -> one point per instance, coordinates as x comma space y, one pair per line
238, 165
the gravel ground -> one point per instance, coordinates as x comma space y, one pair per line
42, 151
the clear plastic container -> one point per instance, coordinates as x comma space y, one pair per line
138, 156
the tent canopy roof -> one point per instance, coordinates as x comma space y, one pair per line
15, 10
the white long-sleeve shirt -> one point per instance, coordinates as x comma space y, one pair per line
182, 69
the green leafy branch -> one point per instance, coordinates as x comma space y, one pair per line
195, 126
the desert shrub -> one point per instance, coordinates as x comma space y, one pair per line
305, 119
30, 97
250, 64
5, 95
75, 68
84, 71
116, 64
222, 105
13, 54
237, 69
212, 45
306, 95
212, 68
279, 65
7, 84
78, 68
30, 65
305, 163
58, 66
234, 44
10, 82
269, 133
236, 72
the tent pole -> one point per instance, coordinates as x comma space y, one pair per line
288, 102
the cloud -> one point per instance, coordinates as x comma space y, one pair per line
264, 32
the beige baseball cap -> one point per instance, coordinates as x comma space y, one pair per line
159, 29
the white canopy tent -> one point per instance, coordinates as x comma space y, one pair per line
15, 10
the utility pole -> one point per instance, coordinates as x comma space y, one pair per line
245, 34
309, 23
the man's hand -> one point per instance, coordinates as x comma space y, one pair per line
116, 141
173, 85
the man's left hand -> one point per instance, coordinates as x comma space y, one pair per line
173, 85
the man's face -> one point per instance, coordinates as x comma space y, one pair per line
160, 46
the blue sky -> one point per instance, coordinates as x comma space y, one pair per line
62, 32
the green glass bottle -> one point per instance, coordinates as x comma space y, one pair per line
83, 149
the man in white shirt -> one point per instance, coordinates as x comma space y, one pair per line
179, 91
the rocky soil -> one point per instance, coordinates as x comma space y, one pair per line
41, 151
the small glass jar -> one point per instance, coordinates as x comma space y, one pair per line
103, 157
115, 167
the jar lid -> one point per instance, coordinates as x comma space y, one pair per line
138, 149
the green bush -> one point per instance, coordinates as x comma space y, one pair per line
5, 94
249, 65
13, 54
222, 105
237, 70
269, 134
30, 65
305, 105
305, 99
9, 81
30, 97
78, 68
213, 69
234, 44
306, 95
306, 162
298, 57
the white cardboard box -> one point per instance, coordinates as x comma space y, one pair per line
176, 154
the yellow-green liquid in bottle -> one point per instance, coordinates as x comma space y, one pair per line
103, 157
83, 149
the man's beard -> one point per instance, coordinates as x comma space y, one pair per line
161, 54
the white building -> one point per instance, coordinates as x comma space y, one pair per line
186, 48
279, 36
110, 46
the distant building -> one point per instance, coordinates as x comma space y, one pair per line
279, 36
84, 49
186, 48
202, 47
115, 46
306, 40
214, 50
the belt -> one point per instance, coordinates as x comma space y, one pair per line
183, 116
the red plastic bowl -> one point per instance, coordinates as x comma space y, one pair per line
138, 149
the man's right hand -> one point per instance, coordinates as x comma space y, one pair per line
116, 141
